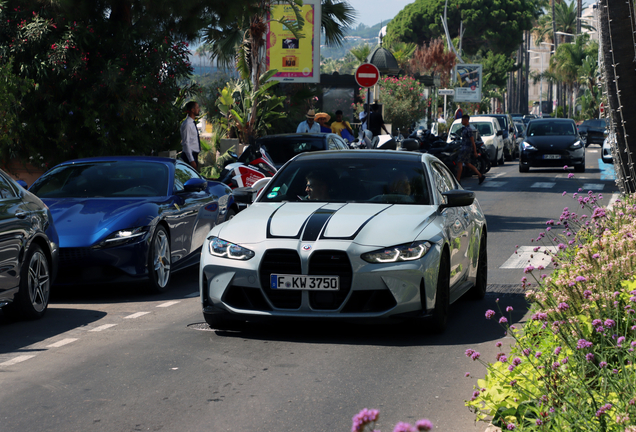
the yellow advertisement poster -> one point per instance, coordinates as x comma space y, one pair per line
296, 59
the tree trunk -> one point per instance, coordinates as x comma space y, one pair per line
617, 48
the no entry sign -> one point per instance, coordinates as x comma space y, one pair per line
367, 75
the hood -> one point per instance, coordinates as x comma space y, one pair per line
555, 142
363, 223
82, 222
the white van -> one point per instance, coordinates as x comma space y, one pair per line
490, 131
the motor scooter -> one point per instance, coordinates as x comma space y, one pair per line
254, 164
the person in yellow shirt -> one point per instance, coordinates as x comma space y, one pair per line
339, 125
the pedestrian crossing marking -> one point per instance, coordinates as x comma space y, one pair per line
168, 304
61, 343
17, 360
543, 185
593, 186
136, 315
494, 184
103, 327
526, 256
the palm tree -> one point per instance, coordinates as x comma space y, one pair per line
361, 53
566, 63
403, 52
565, 20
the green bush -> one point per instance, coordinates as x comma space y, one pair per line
572, 366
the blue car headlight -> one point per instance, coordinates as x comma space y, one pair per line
576, 145
405, 252
124, 236
225, 249
526, 146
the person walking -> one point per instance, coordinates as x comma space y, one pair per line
190, 140
309, 125
468, 148
376, 122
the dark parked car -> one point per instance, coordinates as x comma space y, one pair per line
28, 251
122, 218
592, 131
284, 147
552, 143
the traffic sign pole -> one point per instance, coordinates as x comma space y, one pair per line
367, 75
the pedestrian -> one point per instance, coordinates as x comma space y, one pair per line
190, 140
458, 113
376, 122
309, 125
340, 126
468, 148
322, 119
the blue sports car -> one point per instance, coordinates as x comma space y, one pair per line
124, 217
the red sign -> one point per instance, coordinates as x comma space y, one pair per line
602, 108
367, 75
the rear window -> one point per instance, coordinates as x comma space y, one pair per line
283, 149
484, 128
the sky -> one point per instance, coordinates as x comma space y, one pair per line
371, 12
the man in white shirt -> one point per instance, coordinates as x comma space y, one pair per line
190, 142
309, 125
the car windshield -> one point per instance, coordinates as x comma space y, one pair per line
455, 128
540, 128
502, 122
104, 179
350, 180
519, 128
484, 128
285, 148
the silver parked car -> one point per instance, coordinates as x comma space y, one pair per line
362, 234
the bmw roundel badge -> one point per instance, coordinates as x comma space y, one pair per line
306, 247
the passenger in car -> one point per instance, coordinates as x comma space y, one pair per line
317, 187
400, 185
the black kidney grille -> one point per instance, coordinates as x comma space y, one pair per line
280, 261
332, 263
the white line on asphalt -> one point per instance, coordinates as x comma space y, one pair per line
592, 151
136, 315
17, 360
168, 304
543, 185
613, 199
194, 294
494, 184
593, 186
61, 343
103, 327
526, 256
494, 176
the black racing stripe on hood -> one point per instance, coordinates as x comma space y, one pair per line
355, 234
272, 236
316, 222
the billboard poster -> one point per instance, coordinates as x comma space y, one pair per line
468, 79
297, 60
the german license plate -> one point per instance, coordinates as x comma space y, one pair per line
304, 282
551, 156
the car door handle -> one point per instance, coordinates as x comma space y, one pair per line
21, 215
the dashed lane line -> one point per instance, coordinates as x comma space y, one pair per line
102, 327
593, 186
136, 315
62, 343
543, 185
494, 184
526, 256
17, 360
168, 304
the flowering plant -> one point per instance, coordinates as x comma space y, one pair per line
572, 365
365, 421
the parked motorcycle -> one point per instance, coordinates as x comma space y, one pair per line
253, 165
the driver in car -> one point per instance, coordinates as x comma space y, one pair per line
317, 187
400, 185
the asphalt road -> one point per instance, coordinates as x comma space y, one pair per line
116, 359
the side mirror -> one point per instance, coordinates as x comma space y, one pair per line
195, 185
500, 133
458, 198
244, 195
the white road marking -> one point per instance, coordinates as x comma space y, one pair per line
592, 151
494, 184
615, 197
17, 360
103, 327
62, 343
543, 185
194, 294
526, 256
168, 304
136, 315
494, 176
593, 186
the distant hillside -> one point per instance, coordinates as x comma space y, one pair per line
365, 31
360, 35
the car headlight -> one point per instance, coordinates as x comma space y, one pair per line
225, 249
576, 145
124, 236
405, 252
526, 146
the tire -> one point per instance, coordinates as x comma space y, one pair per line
480, 165
579, 168
32, 299
159, 260
478, 291
487, 163
222, 322
439, 318
501, 159
507, 155
230, 214
523, 168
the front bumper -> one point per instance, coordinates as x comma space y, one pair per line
366, 290
538, 158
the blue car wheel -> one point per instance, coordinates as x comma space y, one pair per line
159, 260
